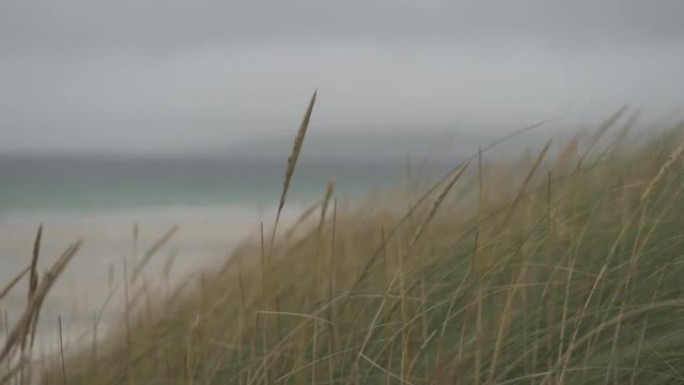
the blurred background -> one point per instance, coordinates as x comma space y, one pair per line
162, 112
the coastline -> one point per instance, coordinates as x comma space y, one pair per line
205, 237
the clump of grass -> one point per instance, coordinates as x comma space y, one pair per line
14, 348
560, 271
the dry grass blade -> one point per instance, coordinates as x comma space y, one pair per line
527, 180
567, 152
390, 374
293, 314
435, 205
153, 250
292, 160
13, 283
38, 298
676, 154
61, 349
330, 188
536, 164
33, 279
626, 128
302, 218
33, 283
601, 131
33, 323
608, 123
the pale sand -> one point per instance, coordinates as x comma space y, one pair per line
204, 239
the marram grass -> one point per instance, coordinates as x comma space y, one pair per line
571, 273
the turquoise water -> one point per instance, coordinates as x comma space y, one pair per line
90, 184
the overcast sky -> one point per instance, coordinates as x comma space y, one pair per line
172, 75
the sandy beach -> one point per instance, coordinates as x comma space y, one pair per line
205, 237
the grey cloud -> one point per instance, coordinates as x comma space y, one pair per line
30, 26
81, 75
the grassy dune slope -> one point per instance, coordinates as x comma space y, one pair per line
540, 271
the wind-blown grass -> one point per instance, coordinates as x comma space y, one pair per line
544, 271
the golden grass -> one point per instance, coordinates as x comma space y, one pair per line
292, 160
561, 271
153, 250
13, 282
17, 337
